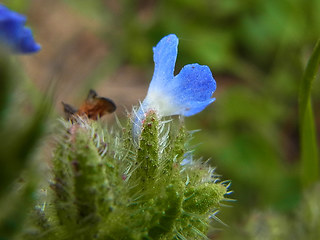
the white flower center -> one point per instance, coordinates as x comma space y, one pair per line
161, 102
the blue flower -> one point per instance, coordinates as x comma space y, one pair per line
185, 94
13, 34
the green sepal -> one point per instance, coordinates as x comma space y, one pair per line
203, 198
148, 150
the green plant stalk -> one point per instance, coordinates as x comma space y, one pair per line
17, 206
19, 141
21, 136
308, 140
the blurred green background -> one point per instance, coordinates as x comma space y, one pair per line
256, 49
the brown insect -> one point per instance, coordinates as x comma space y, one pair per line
94, 107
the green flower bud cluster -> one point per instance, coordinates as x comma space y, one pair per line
107, 185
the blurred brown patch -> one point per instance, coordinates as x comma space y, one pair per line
127, 87
71, 52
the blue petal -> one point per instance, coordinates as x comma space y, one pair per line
13, 33
192, 89
27, 43
164, 57
10, 25
196, 107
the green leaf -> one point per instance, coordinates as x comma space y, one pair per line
308, 140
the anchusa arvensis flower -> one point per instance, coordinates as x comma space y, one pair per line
185, 94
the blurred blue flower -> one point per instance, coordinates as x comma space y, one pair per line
13, 34
185, 94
